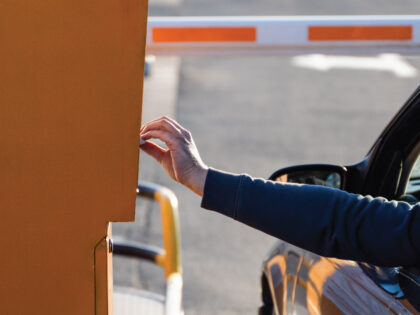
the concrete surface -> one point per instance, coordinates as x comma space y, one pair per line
253, 115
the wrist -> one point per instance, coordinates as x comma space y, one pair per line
198, 180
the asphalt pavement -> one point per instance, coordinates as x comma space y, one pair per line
253, 115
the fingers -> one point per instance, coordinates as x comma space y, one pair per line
175, 123
160, 118
158, 122
153, 150
167, 137
161, 124
184, 131
166, 124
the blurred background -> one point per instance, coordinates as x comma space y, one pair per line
253, 115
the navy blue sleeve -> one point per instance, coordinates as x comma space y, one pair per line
323, 220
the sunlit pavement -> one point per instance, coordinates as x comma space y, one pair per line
253, 115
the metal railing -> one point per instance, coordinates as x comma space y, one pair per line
169, 258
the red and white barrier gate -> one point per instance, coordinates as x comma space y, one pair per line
283, 35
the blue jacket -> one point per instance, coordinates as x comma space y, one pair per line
326, 221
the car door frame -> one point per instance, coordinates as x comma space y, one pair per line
386, 173
383, 173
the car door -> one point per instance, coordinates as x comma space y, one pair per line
302, 282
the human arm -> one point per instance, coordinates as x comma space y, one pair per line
323, 220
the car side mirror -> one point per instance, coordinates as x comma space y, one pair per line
314, 174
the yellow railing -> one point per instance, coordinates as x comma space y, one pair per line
170, 257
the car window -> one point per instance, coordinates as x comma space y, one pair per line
409, 277
415, 173
413, 186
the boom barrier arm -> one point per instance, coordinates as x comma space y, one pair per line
288, 35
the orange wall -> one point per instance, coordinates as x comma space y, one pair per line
70, 104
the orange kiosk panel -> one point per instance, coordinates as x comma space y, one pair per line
71, 77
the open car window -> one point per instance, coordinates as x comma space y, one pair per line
413, 185
415, 173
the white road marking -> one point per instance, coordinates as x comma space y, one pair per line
385, 62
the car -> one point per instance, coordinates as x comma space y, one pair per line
296, 281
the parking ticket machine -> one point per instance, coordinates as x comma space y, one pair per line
70, 103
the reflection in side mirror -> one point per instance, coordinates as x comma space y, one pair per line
323, 175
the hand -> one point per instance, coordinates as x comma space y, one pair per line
181, 160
